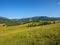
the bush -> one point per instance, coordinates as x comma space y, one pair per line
39, 23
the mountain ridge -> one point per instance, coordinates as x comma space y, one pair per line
11, 22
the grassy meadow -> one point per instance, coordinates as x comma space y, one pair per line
23, 35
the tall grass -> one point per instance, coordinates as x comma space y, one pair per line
41, 35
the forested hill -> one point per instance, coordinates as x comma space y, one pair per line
11, 22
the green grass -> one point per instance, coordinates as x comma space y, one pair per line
22, 35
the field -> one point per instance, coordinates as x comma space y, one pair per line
23, 35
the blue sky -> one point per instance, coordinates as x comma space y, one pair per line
29, 8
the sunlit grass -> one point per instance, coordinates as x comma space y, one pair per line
40, 35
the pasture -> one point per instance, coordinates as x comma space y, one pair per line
23, 35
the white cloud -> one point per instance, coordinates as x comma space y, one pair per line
58, 3
13, 17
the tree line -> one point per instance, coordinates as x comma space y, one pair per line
40, 19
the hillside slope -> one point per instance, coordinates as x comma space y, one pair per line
14, 22
40, 35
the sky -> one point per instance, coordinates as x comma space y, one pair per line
29, 8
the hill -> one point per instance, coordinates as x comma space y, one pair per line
22, 35
13, 22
